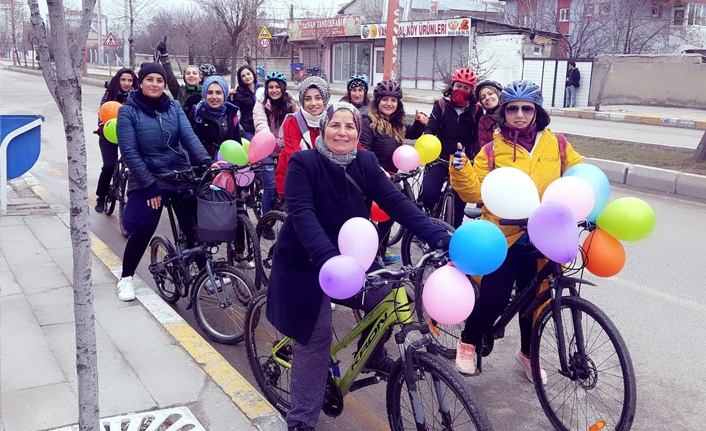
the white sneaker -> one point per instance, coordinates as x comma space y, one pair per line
466, 358
126, 289
524, 361
333, 306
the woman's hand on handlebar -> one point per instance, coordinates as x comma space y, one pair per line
155, 202
218, 164
460, 158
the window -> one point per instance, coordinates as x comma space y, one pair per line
678, 16
524, 20
696, 14
604, 9
538, 50
589, 10
656, 11
563, 14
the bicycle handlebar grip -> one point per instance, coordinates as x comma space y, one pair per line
513, 222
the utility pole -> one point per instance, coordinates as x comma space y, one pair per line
15, 58
101, 60
291, 47
391, 40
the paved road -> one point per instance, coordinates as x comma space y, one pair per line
658, 301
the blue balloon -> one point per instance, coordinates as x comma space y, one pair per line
478, 247
599, 183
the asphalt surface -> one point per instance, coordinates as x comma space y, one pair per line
657, 301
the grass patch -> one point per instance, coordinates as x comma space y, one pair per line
678, 159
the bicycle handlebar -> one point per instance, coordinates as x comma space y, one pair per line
522, 223
376, 279
401, 176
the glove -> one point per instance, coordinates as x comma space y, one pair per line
99, 132
443, 243
457, 159
162, 48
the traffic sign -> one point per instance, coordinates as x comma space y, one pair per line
265, 33
264, 43
110, 41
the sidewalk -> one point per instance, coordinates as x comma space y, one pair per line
150, 361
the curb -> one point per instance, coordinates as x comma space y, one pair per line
261, 414
682, 123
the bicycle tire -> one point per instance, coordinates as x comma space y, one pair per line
587, 369
121, 211
396, 233
227, 324
410, 243
112, 195
122, 200
260, 337
166, 287
442, 375
447, 208
109, 205
249, 260
273, 220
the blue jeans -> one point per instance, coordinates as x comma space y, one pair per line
247, 135
570, 96
267, 176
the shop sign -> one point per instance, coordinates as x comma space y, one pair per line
438, 28
325, 27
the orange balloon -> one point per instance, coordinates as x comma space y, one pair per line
605, 255
108, 111
377, 214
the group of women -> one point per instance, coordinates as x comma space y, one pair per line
481, 126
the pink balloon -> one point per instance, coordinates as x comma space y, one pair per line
341, 277
261, 145
358, 238
448, 296
574, 192
553, 230
406, 158
244, 177
225, 181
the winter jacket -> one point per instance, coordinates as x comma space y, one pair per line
543, 165
486, 128
245, 100
452, 128
260, 111
294, 141
153, 143
178, 92
384, 145
319, 200
212, 130
574, 78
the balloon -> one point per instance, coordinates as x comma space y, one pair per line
553, 230
225, 181
599, 183
605, 255
234, 153
220, 158
108, 111
110, 130
574, 192
244, 177
629, 219
341, 277
245, 143
358, 238
478, 247
406, 158
261, 145
377, 214
448, 296
509, 193
428, 147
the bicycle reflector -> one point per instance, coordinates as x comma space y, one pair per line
597, 426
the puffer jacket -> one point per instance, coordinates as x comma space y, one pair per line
543, 165
452, 128
154, 143
384, 145
212, 130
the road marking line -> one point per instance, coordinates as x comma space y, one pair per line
681, 302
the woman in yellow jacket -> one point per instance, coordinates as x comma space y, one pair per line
524, 142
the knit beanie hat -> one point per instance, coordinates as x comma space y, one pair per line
357, 83
214, 79
151, 67
319, 84
337, 107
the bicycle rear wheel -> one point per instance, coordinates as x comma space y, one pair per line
112, 196
267, 232
261, 337
446, 401
447, 208
599, 390
161, 250
244, 253
220, 310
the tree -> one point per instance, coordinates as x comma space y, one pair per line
133, 13
63, 79
700, 153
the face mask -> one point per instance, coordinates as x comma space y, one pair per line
460, 96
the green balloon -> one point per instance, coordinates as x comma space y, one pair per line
245, 143
110, 130
234, 153
629, 219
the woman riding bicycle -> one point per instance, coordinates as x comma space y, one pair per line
324, 189
155, 138
357, 93
388, 131
118, 89
453, 119
488, 94
244, 98
214, 120
524, 142
272, 106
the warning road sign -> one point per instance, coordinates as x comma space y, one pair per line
265, 33
110, 41
264, 43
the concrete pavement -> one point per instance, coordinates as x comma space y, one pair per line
150, 362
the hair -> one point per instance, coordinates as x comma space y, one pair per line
394, 127
541, 117
279, 108
347, 98
572, 63
113, 88
254, 75
197, 70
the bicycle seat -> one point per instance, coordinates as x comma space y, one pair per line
472, 212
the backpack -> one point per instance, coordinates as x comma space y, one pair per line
489, 150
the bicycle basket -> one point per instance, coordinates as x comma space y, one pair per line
216, 213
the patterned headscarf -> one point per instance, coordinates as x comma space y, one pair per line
337, 107
339, 159
319, 84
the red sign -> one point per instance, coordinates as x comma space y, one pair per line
110, 41
265, 43
393, 16
325, 27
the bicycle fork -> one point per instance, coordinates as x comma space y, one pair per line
571, 365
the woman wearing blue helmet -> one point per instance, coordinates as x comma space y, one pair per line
524, 142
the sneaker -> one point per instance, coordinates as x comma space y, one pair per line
126, 289
100, 205
268, 233
333, 306
391, 258
524, 361
241, 261
466, 358
383, 366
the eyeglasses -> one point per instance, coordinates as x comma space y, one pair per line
514, 109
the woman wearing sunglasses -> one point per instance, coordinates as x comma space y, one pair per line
523, 142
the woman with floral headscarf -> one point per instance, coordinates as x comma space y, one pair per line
214, 120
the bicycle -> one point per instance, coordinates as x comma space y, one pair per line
219, 293
256, 191
267, 232
437, 395
117, 193
301, 74
409, 182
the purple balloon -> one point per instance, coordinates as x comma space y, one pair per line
220, 158
341, 277
553, 230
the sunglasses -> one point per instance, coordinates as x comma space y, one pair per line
514, 109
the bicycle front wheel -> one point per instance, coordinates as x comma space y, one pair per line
447, 208
244, 253
267, 232
598, 391
220, 310
444, 399
162, 250
122, 200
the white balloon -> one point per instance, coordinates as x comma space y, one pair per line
358, 238
509, 193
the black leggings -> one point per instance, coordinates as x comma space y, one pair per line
431, 192
109, 153
519, 267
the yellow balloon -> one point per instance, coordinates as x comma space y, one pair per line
428, 147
